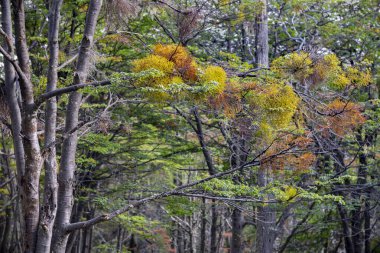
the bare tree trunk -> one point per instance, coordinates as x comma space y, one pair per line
266, 217
211, 170
10, 90
237, 231
202, 246
29, 181
361, 219
15, 114
49, 207
266, 220
239, 157
367, 226
214, 228
243, 42
67, 164
357, 217
120, 238
262, 46
349, 247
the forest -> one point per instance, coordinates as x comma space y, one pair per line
190, 126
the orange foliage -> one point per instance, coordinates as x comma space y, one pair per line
343, 117
289, 153
229, 101
184, 63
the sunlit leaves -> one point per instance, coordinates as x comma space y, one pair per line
178, 75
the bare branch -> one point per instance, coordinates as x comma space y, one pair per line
68, 89
14, 64
67, 62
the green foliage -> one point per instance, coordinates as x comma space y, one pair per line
138, 225
181, 206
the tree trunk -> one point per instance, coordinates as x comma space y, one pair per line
348, 244
202, 246
120, 239
266, 220
237, 231
49, 207
15, 115
266, 217
262, 46
243, 42
67, 164
30, 179
367, 226
214, 228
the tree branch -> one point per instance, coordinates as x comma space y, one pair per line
106, 217
68, 89
14, 64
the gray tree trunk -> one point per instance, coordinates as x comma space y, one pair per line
49, 206
266, 218
262, 46
67, 164
29, 179
266, 221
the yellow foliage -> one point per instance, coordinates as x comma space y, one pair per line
215, 74
175, 65
297, 65
176, 80
359, 78
265, 130
277, 103
326, 70
154, 62
290, 192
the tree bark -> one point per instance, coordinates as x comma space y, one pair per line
10, 90
67, 164
211, 170
262, 46
214, 228
30, 179
237, 231
266, 217
49, 207
15, 115
348, 244
266, 220
202, 246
